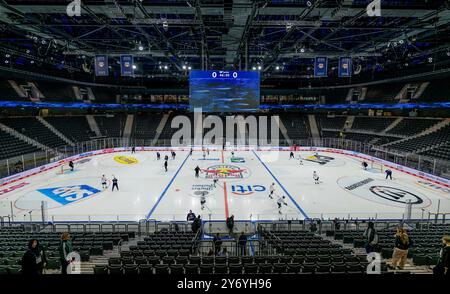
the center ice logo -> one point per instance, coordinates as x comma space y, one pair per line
69, 194
225, 171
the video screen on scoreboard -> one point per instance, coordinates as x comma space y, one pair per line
224, 91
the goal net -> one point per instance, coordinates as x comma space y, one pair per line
376, 166
62, 169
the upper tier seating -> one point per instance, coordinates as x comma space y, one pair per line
111, 126
374, 124
144, 127
297, 126
75, 128
325, 122
411, 126
382, 94
34, 129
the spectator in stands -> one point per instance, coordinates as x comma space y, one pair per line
371, 238
19, 166
34, 260
242, 243
196, 224
210, 252
230, 223
402, 244
337, 224
65, 247
312, 227
217, 243
190, 216
224, 252
443, 264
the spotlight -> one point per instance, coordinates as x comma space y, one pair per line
302, 50
134, 66
160, 67
189, 68
141, 48
7, 56
254, 68
6, 61
166, 67
259, 67
277, 68
32, 61
184, 67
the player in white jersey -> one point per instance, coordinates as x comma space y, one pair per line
316, 178
300, 159
104, 182
215, 179
271, 190
280, 202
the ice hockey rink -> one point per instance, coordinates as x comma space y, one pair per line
147, 191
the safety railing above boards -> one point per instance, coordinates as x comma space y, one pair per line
434, 166
230, 247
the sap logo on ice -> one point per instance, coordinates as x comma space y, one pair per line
69, 194
246, 189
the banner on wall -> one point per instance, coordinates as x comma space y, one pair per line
345, 67
101, 65
126, 64
320, 67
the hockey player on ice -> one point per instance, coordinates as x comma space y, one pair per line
300, 160
365, 165
197, 171
203, 201
215, 179
388, 174
158, 156
280, 202
291, 155
104, 182
316, 177
272, 190
204, 154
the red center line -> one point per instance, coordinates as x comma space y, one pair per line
225, 195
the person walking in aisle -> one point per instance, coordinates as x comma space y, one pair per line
190, 216
34, 259
371, 238
443, 264
65, 247
402, 244
242, 243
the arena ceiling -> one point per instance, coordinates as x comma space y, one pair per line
279, 38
